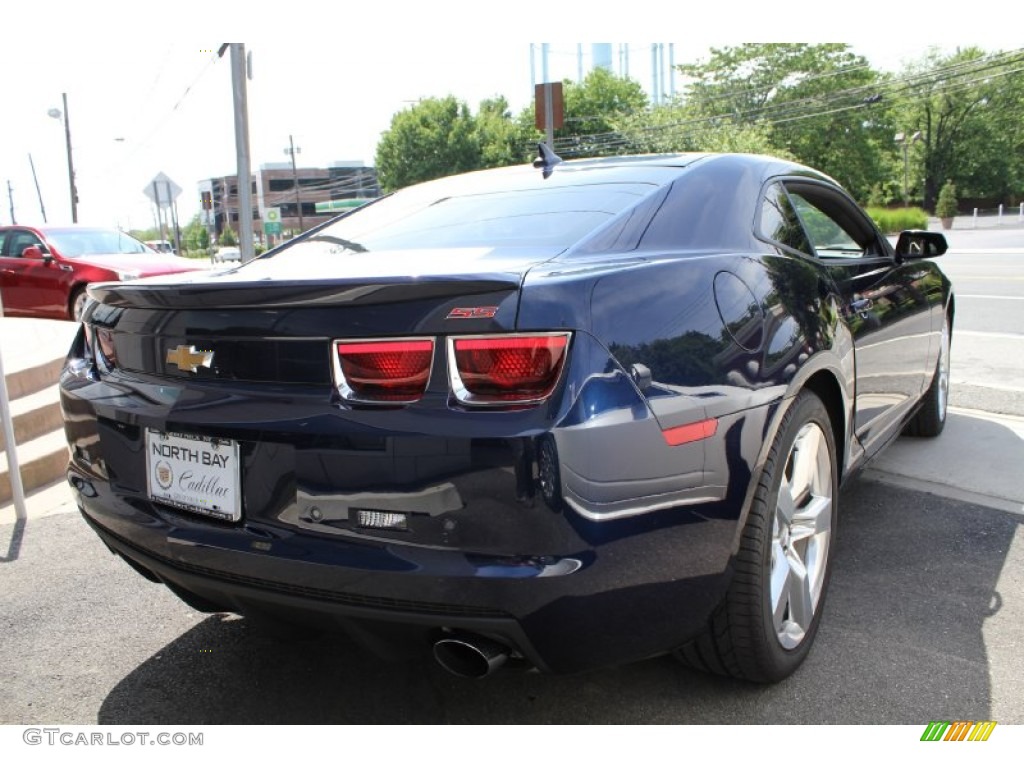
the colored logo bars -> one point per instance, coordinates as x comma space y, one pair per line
959, 730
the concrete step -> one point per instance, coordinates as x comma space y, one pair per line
28, 381
42, 461
35, 415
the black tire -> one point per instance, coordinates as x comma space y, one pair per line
930, 419
744, 638
77, 303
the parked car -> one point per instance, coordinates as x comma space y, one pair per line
44, 271
161, 246
226, 255
565, 416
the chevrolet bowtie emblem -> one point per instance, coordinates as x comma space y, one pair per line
189, 358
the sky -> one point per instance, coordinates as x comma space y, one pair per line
147, 95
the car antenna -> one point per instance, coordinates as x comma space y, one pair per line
547, 160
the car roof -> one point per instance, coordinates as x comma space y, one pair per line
657, 169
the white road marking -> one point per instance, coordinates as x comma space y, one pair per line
990, 335
982, 296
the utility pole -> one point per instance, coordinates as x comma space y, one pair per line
295, 179
672, 71
549, 107
71, 165
241, 103
159, 211
10, 198
39, 194
177, 229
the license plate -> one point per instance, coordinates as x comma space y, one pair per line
200, 474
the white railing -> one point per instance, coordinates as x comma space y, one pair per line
1003, 216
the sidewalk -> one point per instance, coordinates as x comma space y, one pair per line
976, 459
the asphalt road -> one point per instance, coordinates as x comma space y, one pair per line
987, 270
922, 622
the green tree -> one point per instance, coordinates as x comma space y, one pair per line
822, 104
594, 108
431, 139
595, 105
146, 234
502, 140
673, 128
228, 237
196, 236
969, 107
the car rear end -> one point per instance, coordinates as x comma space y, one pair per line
383, 450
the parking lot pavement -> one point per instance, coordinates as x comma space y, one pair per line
922, 623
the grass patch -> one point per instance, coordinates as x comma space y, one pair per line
892, 220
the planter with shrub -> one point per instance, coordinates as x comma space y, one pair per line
946, 205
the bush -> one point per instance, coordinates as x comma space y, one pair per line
228, 237
946, 206
891, 220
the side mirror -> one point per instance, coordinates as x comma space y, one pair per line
641, 375
32, 252
920, 244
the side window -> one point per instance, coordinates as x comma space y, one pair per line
779, 222
829, 238
20, 241
3, 239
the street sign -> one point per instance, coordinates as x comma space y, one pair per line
272, 221
541, 93
161, 190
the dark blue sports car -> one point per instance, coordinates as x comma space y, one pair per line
560, 416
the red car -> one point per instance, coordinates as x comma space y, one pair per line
44, 270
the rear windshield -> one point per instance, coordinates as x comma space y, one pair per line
550, 217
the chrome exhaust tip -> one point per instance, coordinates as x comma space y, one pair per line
471, 656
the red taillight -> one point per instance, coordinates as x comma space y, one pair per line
395, 370
504, 370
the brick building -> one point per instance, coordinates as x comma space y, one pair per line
273, 186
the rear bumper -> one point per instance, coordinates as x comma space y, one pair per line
575, 535
613, 601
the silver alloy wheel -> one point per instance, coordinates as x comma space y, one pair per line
801, 534
81, 299
942, 395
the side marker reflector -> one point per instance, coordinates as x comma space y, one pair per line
689, 433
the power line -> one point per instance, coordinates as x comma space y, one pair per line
788, 111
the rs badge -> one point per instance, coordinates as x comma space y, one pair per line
189, 358
467, 313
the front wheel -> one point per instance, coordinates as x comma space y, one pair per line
765, 627
930, 419
78, 301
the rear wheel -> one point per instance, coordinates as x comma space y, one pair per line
765, 627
